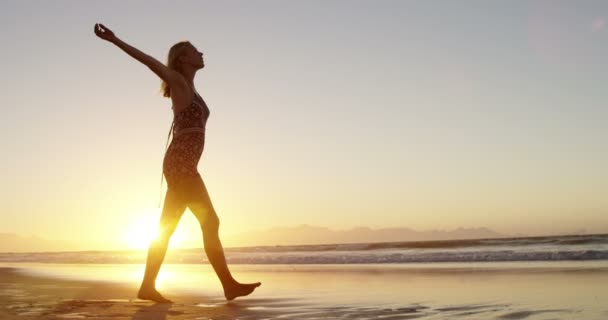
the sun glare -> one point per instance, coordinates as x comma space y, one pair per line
143, 229
141, 232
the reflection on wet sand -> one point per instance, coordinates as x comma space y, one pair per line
314, 292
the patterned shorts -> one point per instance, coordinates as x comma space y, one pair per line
182, 157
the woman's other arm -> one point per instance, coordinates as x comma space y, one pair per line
168, 75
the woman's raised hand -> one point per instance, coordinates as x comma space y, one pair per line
103, 32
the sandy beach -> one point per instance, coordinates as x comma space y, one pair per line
566, 290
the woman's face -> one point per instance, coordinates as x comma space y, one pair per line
193, 57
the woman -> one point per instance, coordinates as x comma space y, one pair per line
185, 187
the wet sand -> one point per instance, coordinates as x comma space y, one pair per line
449, 291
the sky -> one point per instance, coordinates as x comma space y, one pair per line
419, 114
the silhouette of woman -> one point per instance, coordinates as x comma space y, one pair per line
185, 187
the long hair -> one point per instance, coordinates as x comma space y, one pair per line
173, 64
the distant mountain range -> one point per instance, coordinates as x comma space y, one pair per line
10, 242
299, 235
306, 234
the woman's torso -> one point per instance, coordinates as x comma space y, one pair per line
194, 115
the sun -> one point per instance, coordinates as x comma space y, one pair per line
141, 232
143, 229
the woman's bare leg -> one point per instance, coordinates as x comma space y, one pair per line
203, 209
173, 209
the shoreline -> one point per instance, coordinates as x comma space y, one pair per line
24, 296
534, 291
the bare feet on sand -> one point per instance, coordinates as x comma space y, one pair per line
153, 295
240, 289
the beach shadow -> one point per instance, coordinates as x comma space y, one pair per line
516, 315
157, 311
208, 308
243, 309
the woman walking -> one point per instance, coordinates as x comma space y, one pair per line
185, 187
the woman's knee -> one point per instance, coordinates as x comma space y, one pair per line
211, 223
162, 240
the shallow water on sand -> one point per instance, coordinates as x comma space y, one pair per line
522, 290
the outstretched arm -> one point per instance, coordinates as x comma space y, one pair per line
170, 76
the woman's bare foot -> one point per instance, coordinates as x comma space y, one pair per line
240, 289
153, 295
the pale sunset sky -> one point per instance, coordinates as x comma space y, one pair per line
418, 114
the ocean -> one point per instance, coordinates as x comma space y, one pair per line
549, 248
536, 278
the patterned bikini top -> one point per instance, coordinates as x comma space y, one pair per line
192, 119
194, 116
